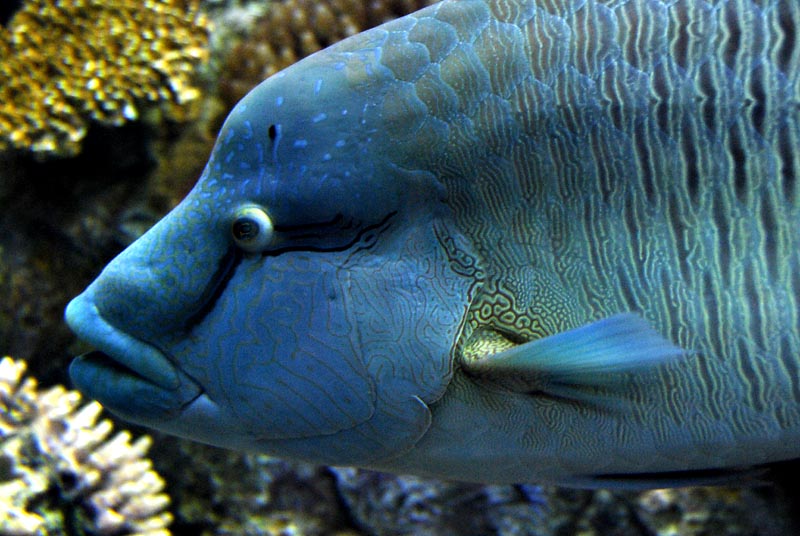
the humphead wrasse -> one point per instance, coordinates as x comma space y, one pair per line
494, 240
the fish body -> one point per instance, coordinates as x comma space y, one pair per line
494, 240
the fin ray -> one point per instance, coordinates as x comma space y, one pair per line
595, 355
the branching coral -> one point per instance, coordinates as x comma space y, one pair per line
66, 63
293, 29
60, 470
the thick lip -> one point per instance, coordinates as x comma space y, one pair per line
138, 357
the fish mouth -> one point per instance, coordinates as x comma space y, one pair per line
130, 377
149, 363
105, 364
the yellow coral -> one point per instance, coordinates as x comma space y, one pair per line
293, 29
64, 63
51, 447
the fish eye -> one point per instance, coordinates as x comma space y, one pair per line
252, 228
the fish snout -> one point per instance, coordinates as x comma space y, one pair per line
130, 377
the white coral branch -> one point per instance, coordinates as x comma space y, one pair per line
72, 450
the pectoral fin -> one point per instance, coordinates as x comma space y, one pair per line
573, 363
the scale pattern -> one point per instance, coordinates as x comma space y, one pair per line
620, 155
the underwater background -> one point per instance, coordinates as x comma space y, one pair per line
108, 112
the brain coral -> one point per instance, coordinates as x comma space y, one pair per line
65, 63
61, 474
293, 29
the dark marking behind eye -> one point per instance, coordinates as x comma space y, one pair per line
365, 238
216, 286
295, 232
369, 235
305, 241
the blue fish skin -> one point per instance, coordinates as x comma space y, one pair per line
495, 240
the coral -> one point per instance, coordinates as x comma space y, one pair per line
230, 493
67, 63
293, 29
709, 510
387, 504
694, 511
61, 473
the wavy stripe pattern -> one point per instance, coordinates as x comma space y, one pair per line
627, 155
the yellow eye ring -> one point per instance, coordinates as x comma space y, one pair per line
252, 229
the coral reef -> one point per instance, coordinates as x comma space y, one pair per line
293, 29
230, 493
695, 511
61, 473
718, 511
387, 504
64, 64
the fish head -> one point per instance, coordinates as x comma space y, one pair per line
307, 285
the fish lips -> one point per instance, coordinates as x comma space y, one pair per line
128, 376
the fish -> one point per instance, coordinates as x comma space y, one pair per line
496, 241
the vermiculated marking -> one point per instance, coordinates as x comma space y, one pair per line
661, 86
641, 140
679, 238
733, 37
788, 359
625, 288
589, 223
738, 162
787, 166
713, 318
690, 156
632, 227
752, 306
769, 231
795, 290
758, 107
671, 310
786, 49
750, 377
720, 216
711, 391
680, 44
707, 85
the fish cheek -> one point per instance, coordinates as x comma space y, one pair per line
408, 301
276, 349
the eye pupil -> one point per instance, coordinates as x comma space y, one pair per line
245, 229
